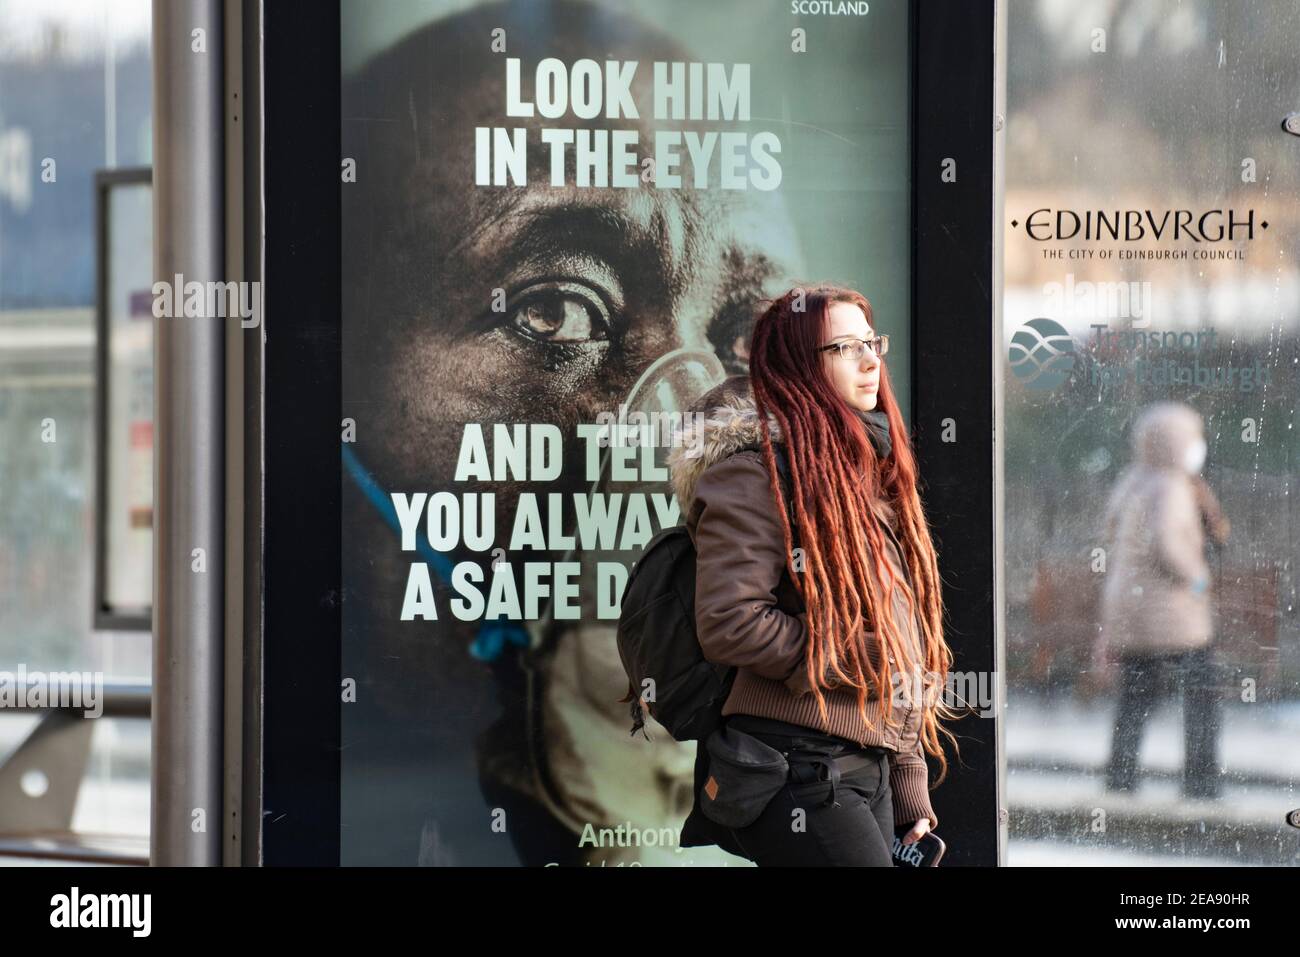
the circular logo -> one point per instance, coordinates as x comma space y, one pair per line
1042, 354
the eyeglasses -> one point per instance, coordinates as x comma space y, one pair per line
855, 349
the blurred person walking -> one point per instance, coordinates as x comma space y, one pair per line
1156, 607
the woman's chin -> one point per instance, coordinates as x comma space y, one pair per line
864, 400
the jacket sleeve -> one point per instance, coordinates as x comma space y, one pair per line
1178, 537
740, 555
909, 784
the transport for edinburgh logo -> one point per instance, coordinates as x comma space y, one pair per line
1042, 354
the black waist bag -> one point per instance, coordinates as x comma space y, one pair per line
745, 772
744, 775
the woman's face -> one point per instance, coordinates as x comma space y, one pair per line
856, 382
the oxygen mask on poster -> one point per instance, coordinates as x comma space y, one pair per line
631, 444
598, 532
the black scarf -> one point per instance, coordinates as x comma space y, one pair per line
877, 424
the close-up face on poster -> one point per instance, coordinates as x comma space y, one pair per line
563, 219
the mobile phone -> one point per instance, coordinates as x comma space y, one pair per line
923, 853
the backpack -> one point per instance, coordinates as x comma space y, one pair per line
656, 635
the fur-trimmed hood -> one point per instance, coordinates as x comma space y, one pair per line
725, 420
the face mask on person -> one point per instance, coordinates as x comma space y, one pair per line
1194, 456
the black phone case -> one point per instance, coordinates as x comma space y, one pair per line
924, 853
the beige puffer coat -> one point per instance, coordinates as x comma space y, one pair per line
1156, 595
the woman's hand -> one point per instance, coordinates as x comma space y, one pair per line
918, 831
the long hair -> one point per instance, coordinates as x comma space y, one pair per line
836, 477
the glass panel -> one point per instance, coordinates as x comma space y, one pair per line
112, 807
75, 98
115, 794
1152, 298
482, 742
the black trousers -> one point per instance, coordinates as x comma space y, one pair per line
1140, 684
798, 828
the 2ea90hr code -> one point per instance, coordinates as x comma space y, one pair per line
1218, 898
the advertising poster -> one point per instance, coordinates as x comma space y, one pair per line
558, 215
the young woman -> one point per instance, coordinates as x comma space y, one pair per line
834, 625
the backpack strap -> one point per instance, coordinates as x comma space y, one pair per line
787, 481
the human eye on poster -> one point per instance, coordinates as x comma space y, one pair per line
559, 220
